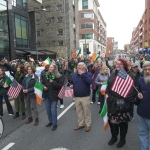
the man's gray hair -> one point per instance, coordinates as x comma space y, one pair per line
81, 64
146, 63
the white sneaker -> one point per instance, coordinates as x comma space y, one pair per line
91, 102
61, 106
10, 114
98, 103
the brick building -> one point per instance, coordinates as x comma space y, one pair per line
92, 27
110, 45
141, 34
56, 27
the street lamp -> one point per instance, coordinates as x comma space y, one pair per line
36, 30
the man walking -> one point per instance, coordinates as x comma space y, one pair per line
143, 109
80, 82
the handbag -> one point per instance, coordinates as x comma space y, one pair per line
120, 103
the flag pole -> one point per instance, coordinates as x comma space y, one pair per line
136, 89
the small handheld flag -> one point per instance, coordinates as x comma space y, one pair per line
46, 62
7, 83
103, 88
38, 90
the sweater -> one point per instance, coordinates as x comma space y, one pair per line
143, 108
81, 84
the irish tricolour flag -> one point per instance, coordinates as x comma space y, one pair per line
38, 90
78, 52
7, 83
96, 58
46, 62
104, 116
103, 88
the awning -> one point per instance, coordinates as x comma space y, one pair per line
20, 52
48, 52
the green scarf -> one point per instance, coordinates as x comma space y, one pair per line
18, 76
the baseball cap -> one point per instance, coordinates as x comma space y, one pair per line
134, 65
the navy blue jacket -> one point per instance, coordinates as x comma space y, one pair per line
143, 108
81, 84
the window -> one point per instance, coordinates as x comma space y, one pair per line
60, 43
60, 31
38, 33
47, 9
84, 4
48, 20
88, 36
87, 25
59, 19
59, 7
21, 4
84, 49
21, 31
38, 44
37, 21
87, 15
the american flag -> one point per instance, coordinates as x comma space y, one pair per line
14, 89
123, 83
62, 90
69, 93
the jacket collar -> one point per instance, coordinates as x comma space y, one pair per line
33, 76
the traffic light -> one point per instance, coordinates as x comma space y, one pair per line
87, 49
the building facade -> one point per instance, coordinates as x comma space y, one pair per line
141, 34
14, 31
56, 26
92, 27
110, 45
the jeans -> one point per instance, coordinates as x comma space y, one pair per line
101, 100
8, 104
51, 109
144, 129
94, 95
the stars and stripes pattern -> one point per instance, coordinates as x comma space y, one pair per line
123, 83
62, 90
69, 93
14, 89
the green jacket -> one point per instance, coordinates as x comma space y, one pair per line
3, 91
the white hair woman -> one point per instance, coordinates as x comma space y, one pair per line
53, 82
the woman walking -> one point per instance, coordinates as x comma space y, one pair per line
52, 84
3, 93
102, 77
118, 107
19, 101
29, 95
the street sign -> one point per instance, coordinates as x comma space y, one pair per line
146, 44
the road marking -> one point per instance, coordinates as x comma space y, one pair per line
8, 146
65, 110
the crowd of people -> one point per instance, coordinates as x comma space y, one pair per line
86, 79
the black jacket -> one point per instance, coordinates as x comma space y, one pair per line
53, 87
111, 101
67, 73
43, 73
30, 85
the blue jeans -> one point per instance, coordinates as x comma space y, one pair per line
144, 129
51, 109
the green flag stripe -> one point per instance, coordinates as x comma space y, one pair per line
39, 86
104, 110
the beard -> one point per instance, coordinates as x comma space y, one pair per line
147, 79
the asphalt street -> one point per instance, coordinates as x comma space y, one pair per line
19, 136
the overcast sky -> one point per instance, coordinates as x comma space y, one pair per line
121, 16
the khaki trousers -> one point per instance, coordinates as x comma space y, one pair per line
83, 110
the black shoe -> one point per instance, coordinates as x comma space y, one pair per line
112, 141
23, 116
49, 124
16, 115
54, 128
121, 143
